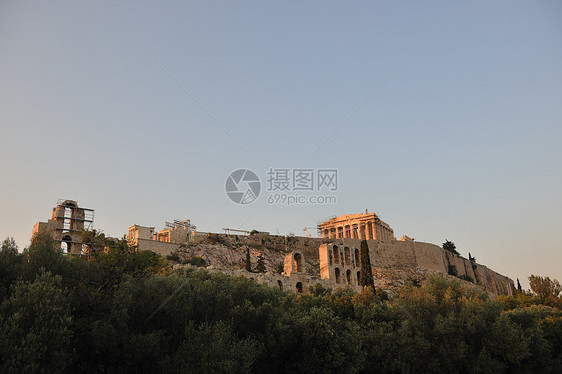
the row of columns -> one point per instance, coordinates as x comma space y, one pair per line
363, 230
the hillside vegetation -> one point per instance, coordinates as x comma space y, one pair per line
124, 311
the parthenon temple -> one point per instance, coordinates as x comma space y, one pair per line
357, 226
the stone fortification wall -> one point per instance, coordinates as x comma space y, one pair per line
163, 248
394, 262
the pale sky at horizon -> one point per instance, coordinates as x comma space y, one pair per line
462, 142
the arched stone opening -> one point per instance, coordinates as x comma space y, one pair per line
338, 275
299, 287
348, 276
298, 263
336, 255
358, 278
69, 203
294, 263
347, 256
66, 244
357, 261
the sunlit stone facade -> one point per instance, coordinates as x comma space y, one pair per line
357, 226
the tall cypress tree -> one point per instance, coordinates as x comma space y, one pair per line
248, 262
366, 279
519, 288
260, 266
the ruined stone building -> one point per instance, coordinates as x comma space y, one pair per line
357, 226
67, 222
164, 241
332, 261
295, 272
340, 265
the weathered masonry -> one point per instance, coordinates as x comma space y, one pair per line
66, 225
295, 273
164, 241
340, 266
357, 226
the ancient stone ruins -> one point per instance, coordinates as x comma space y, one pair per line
291, 262
66, 225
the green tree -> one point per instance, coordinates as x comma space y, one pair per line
94, 240
120, 258
450, 247
366, 279
315, 341
214, 348
546, 289
9, 246
35, 327
519, 288
44, 253
10, 265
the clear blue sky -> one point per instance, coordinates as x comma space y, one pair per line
462, 142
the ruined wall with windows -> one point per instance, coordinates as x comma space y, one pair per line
296, 278
66, 225
137, 232
164, 241
340, 265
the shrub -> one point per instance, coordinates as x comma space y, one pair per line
453, 271
215, 239
173, 257
196, 261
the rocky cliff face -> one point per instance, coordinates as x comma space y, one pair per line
229, 251
394, 262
